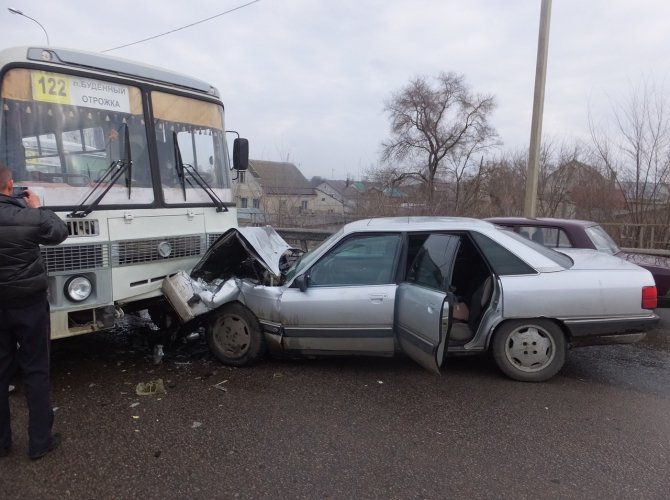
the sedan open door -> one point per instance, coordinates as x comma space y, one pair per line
422, 324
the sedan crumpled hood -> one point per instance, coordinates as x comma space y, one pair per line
238, 252
253, 255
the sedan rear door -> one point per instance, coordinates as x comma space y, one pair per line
422, 315
422, 324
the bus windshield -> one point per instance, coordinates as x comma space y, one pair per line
202, 144
60, 133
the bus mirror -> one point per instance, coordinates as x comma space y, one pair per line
241, 154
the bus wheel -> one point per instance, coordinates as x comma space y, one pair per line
234, 336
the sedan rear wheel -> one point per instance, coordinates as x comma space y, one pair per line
529, 350
234, 336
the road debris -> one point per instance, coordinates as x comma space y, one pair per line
151, 387
158, 354
220, 386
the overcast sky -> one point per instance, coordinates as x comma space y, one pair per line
306, 80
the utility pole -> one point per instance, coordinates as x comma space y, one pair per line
538, 109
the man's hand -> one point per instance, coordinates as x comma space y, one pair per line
32, 200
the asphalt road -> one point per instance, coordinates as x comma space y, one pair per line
347, 428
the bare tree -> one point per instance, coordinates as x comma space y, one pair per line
568, 185
383, 196
438, 130
504, 184
635, 150
505, 180
468, 196
594, 194
560, 169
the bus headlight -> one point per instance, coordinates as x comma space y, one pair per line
78, 288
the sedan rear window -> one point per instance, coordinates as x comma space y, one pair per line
502, 260
551, 237
559, 258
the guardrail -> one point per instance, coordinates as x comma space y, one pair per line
654, 237
648, 251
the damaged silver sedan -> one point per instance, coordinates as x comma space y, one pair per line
425, 286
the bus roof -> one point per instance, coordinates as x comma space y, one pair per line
60, 57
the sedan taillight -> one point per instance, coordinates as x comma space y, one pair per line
649, 297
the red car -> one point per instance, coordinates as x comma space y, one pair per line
569, 233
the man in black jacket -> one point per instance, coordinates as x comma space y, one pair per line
24, 311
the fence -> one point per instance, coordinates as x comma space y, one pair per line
649, 238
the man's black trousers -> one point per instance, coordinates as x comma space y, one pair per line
29, 327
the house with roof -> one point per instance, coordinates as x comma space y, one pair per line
277, 194
338, 196
274, 193
578, 190
247, 193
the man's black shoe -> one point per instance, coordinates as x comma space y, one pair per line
55, 443
4, 452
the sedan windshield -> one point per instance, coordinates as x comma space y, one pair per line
306, 259
601, 240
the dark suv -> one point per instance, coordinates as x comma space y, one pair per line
569, 233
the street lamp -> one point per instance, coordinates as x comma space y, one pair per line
17, 11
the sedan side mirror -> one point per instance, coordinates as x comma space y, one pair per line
301, 281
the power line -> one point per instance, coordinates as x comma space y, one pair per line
183, 27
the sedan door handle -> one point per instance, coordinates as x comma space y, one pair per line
377, 298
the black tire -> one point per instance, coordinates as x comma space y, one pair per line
234, 336
532, 350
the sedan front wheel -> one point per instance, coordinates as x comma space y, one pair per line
234, 336
529, 350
